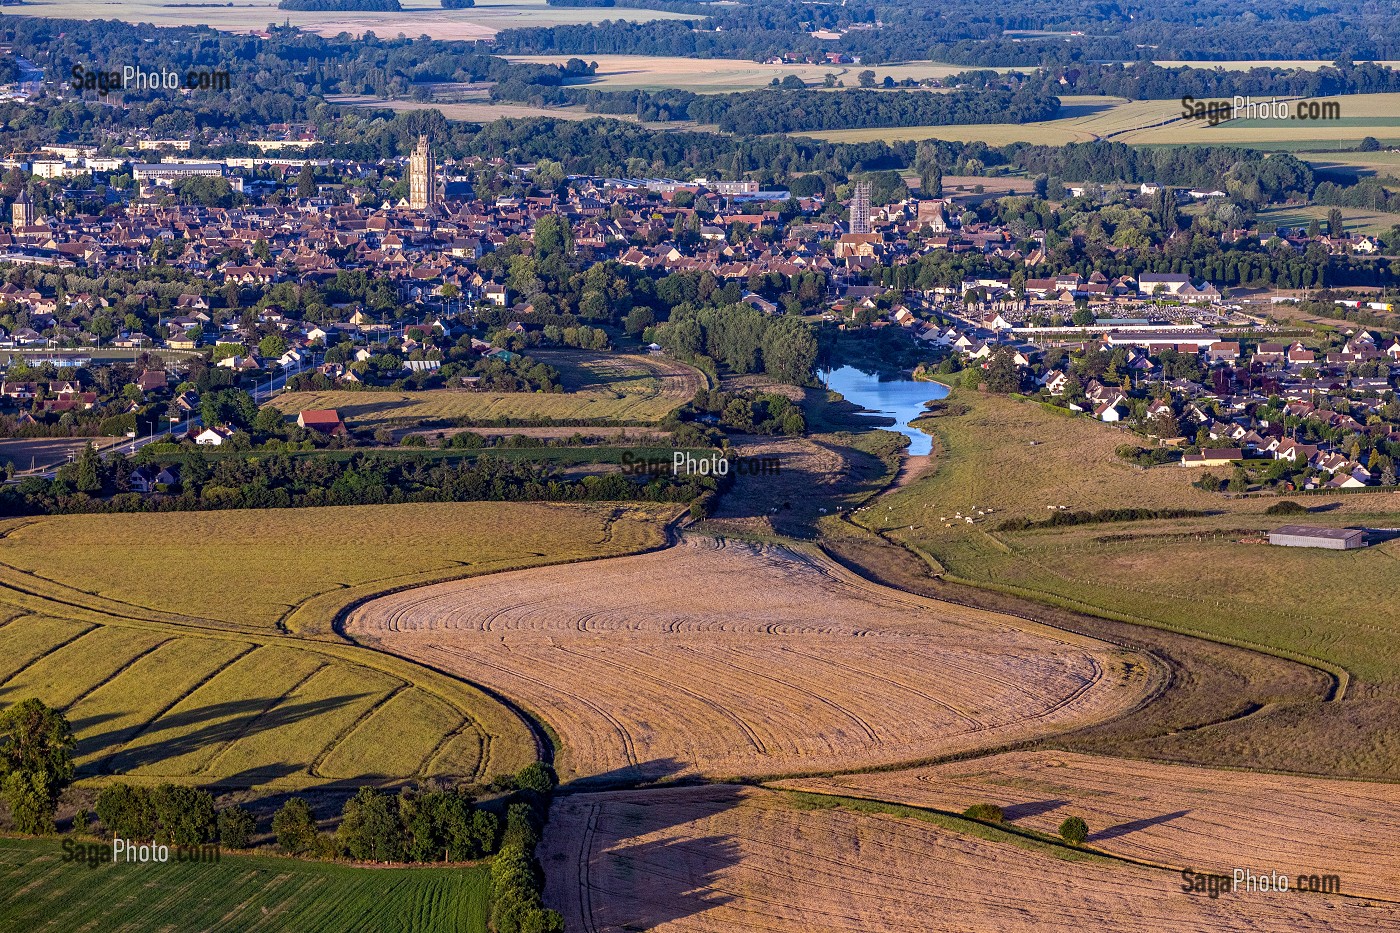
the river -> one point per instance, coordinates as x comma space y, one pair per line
900, 399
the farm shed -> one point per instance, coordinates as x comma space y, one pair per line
1337, 539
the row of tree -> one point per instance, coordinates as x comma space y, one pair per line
282, 481
793, 108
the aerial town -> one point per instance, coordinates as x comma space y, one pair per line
697, 467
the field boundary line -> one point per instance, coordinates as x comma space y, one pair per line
313, 767
118, 672
425, 766
103, 764
48, 651
243, 732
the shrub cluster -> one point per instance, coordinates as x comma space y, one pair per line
1063, 519
173, 814
1148, 456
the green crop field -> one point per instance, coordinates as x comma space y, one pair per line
200, 646
1358, 220
257, 894
1207, 575
1361, 164
375, 409
471, 111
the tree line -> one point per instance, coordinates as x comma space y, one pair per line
742, 340
94, 484
791, 109
1146, 80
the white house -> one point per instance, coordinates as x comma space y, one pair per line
212, 437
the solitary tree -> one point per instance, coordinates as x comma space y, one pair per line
36, 763
88, 476
1074, 831
306, 182
1335, 225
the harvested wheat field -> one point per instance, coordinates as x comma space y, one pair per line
1177, 815
728, 659
721, 859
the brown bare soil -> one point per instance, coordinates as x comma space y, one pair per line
910, 469
1176, 815
731, 659
814, 477
722, 859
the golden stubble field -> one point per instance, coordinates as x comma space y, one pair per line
726, 659
418, 17
199, 646
721, 859
1084, 118
1175, 815
720, 75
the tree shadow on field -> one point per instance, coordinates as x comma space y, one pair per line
1123, 829
651, 859
646, 772
213, 725
1019, 811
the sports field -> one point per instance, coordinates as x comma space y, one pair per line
1358, 220
200, 647
472, 111
41, 893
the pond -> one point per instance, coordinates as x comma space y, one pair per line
901, 399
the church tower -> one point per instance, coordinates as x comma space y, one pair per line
860, 208
422, 177
22, 210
